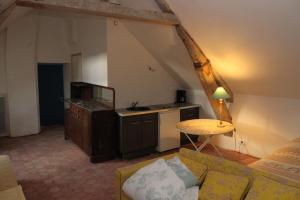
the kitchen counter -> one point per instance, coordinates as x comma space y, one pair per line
156, 108
91, 106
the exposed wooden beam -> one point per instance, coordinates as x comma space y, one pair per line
164, 7
209, 77
6, 10
102, 8
205, 73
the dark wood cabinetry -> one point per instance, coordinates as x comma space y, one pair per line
187, 114
138, 135
93, 131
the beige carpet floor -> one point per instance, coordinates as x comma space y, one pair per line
51, 168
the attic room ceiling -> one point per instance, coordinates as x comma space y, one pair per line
254, 45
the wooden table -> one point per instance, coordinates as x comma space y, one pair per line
204, 127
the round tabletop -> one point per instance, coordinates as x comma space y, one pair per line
204, 127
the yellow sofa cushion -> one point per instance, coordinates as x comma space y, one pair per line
264, 188
14, 193
219, 186
7, 177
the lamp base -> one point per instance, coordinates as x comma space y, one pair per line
221, 125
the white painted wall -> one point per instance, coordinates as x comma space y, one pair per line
3, 88
21, 77
254, 45
88, 36
263, 123
128, 72
3, 85
250, 43
52, 40
163, 43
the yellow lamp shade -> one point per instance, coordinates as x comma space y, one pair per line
221, 93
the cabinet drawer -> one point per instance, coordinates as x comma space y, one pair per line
189, 113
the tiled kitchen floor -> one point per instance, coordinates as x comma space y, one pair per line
50, 168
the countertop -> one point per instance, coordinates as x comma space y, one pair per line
156, 108
91, 106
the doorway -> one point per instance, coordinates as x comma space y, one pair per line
51, 93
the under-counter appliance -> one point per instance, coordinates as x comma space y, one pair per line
169, 135
181, 96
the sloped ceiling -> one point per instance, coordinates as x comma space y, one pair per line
255, 45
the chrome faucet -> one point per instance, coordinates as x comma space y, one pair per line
134, 104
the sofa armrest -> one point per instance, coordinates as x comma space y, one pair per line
7, 176
15, 193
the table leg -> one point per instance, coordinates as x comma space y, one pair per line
188, 137
217, 150
207, 141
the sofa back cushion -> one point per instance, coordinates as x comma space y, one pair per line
264, 188
217, 163
219, 185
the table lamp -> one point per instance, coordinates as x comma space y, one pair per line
221, 95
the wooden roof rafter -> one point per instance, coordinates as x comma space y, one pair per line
209, 77
101, 8
6, 9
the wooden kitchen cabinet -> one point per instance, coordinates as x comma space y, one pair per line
138, 135
187, 114
93, 131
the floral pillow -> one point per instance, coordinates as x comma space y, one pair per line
182, 172
155, 181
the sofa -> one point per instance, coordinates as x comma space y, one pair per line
284, 161
9, 188
275, 185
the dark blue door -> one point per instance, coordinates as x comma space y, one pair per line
51, 92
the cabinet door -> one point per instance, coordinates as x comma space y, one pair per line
104, 136
84, 119
149, 130
132, 134
187, 114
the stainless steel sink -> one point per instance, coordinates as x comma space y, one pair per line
138, 108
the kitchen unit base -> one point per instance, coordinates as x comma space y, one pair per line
138, 135
92, 131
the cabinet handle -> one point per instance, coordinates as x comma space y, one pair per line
134, 123
148, 121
